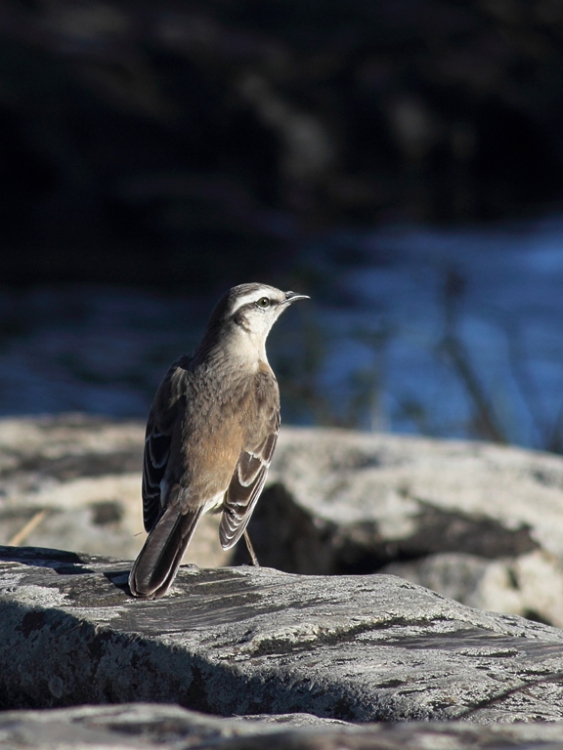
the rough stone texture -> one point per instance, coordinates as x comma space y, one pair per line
530, 585
240, 641
149, 725
85, 472
479, 523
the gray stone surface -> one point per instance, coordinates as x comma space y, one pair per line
152, 726
240, 641
73, 482
480, 523
531, 584
143, 725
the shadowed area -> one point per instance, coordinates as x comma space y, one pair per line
257, 641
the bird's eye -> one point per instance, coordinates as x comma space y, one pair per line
263, 302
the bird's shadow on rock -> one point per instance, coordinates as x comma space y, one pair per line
61, 561
120, 579
66, 563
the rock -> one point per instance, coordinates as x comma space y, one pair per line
145, 725
73, 482
482, 524
240, 641
530, 585
478, 522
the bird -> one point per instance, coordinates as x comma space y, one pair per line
210, 436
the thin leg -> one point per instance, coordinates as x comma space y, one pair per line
250, 549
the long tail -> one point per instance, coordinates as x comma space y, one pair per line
156, 566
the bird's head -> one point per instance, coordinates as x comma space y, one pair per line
245, 315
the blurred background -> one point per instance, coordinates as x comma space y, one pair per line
401, 161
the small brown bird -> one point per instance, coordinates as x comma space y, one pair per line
211, 433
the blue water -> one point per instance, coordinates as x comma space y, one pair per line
368, 346
509, 322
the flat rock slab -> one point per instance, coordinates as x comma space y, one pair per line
148, 725
418, 496
479, 523
156, 726
239, 641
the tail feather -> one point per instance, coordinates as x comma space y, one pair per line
156, 566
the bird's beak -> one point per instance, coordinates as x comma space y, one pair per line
293, 297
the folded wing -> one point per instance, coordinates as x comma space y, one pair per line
166, 410
245, 488
157, 452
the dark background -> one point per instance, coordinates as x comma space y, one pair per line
190, 145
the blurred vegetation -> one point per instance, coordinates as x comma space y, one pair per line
197, 143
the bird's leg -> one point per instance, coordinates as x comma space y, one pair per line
250, 549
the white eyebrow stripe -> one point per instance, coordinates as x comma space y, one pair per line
245, 300
253, 296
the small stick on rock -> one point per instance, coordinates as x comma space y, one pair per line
30, 526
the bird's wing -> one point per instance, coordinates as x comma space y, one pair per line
167, 408
157, 452
246, 485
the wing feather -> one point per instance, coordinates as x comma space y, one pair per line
161, 423
155, 458
245, 488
